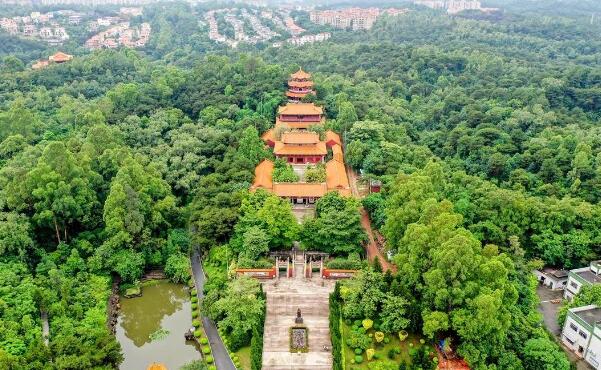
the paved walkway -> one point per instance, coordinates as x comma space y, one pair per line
222, 358
284, 297
371, 247
45, 327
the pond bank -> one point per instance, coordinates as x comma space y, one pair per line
151, 328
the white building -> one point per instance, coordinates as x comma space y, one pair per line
586, 276
582, 333
552, 278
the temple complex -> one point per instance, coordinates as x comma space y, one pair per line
299, 86
293, 141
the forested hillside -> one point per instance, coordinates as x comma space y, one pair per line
485, 134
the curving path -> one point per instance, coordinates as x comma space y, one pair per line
222, 358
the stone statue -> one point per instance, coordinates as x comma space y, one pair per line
299, 318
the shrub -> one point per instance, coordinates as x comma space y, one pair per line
196, 323
194, 299
357, 323
391, 353
376, 356
209, 359
422, 341
177, 267
367, 324
206, 350
212, 367
193, 292
197, 333
204, 341
348, 322
194, 314
370, 353
386, 340
194, 306
358, 351
403, 335
397, 350
358, 359
379, 336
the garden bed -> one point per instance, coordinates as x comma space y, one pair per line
401, 349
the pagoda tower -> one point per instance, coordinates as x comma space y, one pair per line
299, 85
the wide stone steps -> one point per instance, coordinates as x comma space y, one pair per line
282, 305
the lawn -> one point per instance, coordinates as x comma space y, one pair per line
244, 357
382, 350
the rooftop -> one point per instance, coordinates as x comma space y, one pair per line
588, 275
333, 137
60, 57
300, 137
281, 148
300, 109
299, 189
590, 314
336, 175
264, 175
556, 273
301, 75
294, 83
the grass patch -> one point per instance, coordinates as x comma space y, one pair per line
244, 357
381, 349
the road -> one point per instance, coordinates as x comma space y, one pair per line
222, 358
371, 248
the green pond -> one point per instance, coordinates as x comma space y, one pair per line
151, 328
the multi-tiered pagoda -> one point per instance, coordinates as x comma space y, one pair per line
295, 140
299, 86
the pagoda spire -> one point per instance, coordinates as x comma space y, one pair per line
299, 86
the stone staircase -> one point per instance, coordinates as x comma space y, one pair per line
281, 312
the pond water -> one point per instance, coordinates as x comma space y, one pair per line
151, 328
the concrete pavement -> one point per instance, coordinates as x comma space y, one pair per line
220, 354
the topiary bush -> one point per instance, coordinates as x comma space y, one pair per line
358, 359
206, 350
194, 314
193, 292
358, 351
391, 353
212, 367
197, 333
204, 341
194, 306
196, 323
194, 299
209, 359
386, 340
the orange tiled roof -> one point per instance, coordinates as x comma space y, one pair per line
263, 175
269, 135
299, 189
281, 148
336, 178
60, 57
155, 366
337, 153
300, 137
299, 125
40, 64
292, 94
301, 75
294, 83
300, 109
331, 136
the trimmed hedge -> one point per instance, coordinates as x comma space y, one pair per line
256, 341
336, 335
209, 359
206, 350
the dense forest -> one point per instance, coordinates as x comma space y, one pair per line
484, 133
